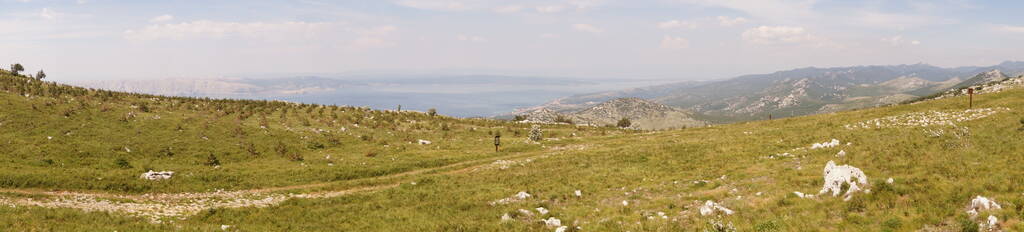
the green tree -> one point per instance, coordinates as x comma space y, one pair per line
17, 68
624, 122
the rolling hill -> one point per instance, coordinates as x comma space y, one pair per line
72, 159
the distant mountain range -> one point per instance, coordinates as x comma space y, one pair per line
455, 95
793, 92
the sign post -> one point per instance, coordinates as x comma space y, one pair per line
970, 96
497, 142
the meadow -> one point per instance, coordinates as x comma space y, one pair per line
56, 139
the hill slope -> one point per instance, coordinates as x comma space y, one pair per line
924, 163
796, 92
643, 114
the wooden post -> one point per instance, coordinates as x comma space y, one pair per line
497, 142
970, 97
769, 116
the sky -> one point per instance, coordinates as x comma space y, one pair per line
74, 40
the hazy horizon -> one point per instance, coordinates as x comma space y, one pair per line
658, 39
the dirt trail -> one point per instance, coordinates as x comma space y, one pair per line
160, 207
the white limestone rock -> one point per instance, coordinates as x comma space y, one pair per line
836, 175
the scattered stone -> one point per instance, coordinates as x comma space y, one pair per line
625, 203
506, 217
981, 203
552, 222
151, 175
561, 229
710, 207
841, 153
542, 210
802, 195
835, 176
890, 181
992, 224
930, 118
578, 193
829, 144
424, 142
225, 227
514, 198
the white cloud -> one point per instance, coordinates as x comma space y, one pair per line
508, 9
442, 5
782, 10
162, 18
550, 9
674, 43
471, 38
205, 29
671, 24
587, 28
899, 40
586, 4
778, 35
896, 21
373, 37
1009, 28
549, 36
46, 13
727, 21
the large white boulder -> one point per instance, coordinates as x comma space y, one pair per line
837, 175
151, 175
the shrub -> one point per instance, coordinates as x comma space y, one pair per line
281, 149
563, 119
432, 112
122, 163
314, 145
250, 147
167, 152
966, 225
295, 157
212, 160
624, 122
536, 133
518, 118
893, 224
767, 226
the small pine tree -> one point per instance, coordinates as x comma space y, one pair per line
563, 119
624, 122
16, 69
212, 160
432, 112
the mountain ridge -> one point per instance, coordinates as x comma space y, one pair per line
793, 92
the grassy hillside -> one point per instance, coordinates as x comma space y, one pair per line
60, 137
629, 181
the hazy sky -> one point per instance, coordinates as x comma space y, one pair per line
678, 39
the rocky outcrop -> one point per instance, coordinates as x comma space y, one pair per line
643, 114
